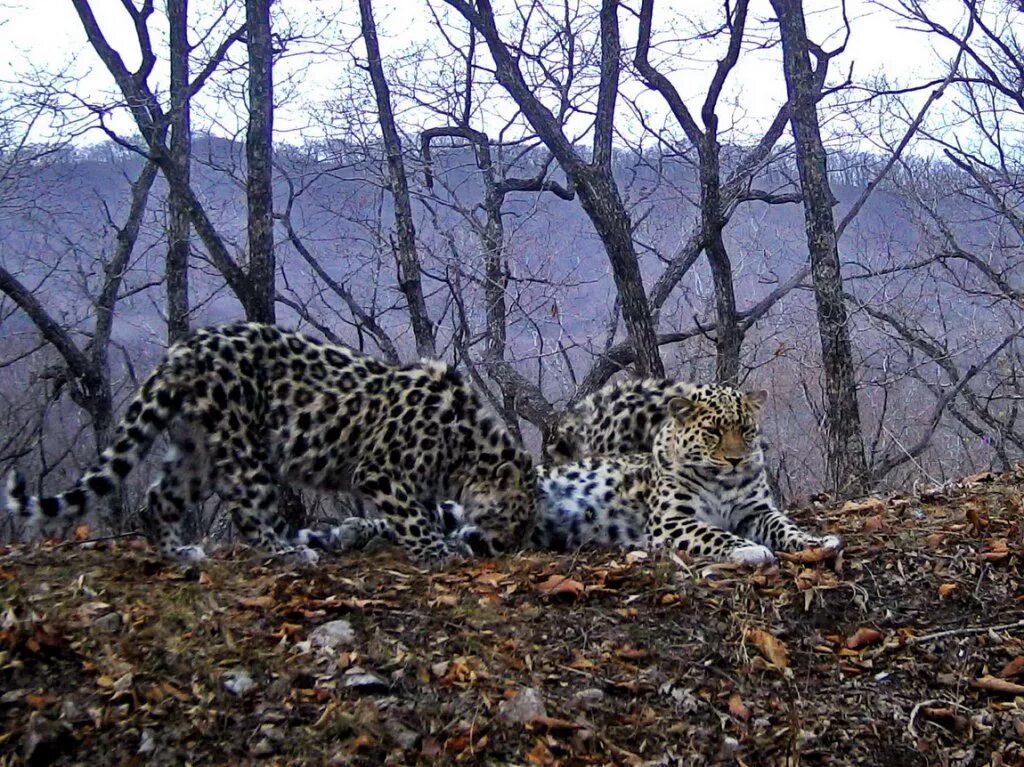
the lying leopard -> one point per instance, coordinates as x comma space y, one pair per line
702, 487
248, 406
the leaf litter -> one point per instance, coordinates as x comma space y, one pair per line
906, 649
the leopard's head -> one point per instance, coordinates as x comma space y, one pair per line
714, 428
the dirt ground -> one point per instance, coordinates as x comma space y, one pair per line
906, 650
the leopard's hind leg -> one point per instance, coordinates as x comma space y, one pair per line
181, 485
247, 483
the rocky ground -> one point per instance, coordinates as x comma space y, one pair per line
906, 650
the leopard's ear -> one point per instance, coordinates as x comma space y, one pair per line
756, 399
510, 475
681, 407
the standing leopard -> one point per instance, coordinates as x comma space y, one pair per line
248, 406
702, 487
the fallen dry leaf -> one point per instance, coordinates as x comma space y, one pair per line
554, 724
736, 707
262, 601
807, 556
560, 585
996, 550
1014, 668
946, 589
874, 524
994, 684
863, 637
773, 648
873, 505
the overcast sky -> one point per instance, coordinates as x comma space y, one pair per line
46, 35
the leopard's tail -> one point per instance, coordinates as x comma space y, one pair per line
150, 411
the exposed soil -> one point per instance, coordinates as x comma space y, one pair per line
906, 650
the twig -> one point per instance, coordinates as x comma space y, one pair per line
129, 534
965, 631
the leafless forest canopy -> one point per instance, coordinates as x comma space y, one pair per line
549, 194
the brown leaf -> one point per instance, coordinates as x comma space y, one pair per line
946, 589
82, 532
773, 648
490, 578
540, 754
560, 585
947, 717
1014, 668
737, 709
261, 601
553, 724
874, 524
994, 684
807, 556
935, 540
864, 637
975, 519
996, 550
40, 700
871, 505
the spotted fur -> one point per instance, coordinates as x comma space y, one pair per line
702, 487
249, 406
621, 418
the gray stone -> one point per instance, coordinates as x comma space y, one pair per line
332, 634
238, 681
110, 623
524, 707
403, 737
587, 697
365, 682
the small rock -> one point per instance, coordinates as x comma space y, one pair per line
524, 707
71, 711
12, 696
332, 634
263, 747
238, 682
403, 737
147, 743
46, 742
365, 682
273, 733
587, 698
110, 623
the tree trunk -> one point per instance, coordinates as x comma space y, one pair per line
259, 159
844, 445
406, 254
728, 334
600, 199
179, 223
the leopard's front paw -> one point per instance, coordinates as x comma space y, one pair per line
753, 554
434, 555
831, 543
188, 554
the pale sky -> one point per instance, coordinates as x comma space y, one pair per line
46, 35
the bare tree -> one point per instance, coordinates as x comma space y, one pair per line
259, 153
843, 439
593, 180
409, 268
180, 155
